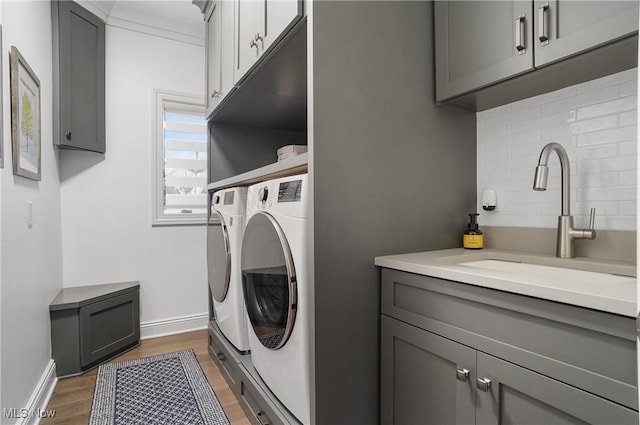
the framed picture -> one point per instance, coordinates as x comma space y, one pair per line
25, 117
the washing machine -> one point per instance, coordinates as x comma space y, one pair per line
224, 241
277, 285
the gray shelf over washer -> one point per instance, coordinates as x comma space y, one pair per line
287, 167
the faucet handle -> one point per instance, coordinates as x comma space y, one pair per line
592, 218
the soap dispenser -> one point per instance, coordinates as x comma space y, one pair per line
472, 237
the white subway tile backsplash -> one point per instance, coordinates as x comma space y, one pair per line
605, 108
628, 178
628, 118
595, 180
629, 88
609, 80
579, 100
596, 122
616, 135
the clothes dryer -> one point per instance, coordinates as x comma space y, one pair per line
224, 240
277, 285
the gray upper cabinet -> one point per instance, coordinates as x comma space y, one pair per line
78, 77
238, 34
219, 20
565, 27
480, 43
213, 57
259, 25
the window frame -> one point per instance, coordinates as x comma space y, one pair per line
158, 217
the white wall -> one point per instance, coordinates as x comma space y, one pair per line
31, 257
596, 122
106, 200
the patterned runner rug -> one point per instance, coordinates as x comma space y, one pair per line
169, 389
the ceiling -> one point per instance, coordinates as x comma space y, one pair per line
178, 16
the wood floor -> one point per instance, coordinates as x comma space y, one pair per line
72, 396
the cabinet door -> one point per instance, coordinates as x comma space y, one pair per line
478, 43
250, 32
213, 54
227, 43
520, 396
567, 27
419, 383
260, 24
109, 326
79, 106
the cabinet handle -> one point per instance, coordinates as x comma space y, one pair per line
543, 25
483, 384
253, 43
221, 357
520, 34
462, 374
215, 94
68, 135
259, 416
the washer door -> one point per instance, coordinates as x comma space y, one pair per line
218, 257
268, 280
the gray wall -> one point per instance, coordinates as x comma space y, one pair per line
392, 173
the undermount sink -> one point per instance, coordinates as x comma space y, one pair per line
536, 271
541, 265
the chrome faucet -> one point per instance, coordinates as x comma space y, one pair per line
565, 245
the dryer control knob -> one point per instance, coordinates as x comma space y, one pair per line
263, 194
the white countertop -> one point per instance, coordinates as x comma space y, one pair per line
617, 296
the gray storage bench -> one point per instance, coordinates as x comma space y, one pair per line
91, 324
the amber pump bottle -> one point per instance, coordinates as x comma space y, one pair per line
472, 237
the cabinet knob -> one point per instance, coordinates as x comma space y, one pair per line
68, 135
215, 94
254, 42
483, 384
462, 374
221, 357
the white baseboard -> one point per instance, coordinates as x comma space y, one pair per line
174, 325
40, 397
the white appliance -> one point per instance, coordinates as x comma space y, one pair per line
277, 286
224, 243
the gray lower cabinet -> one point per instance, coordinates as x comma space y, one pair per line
418, 377
255, 398
481, 43
519, 396
453, 353
78, 77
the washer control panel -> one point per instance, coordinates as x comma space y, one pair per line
290, 191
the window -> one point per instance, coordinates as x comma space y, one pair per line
180, 161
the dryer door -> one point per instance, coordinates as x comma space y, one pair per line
268, 280
218, 257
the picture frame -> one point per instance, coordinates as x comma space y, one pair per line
25, 117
